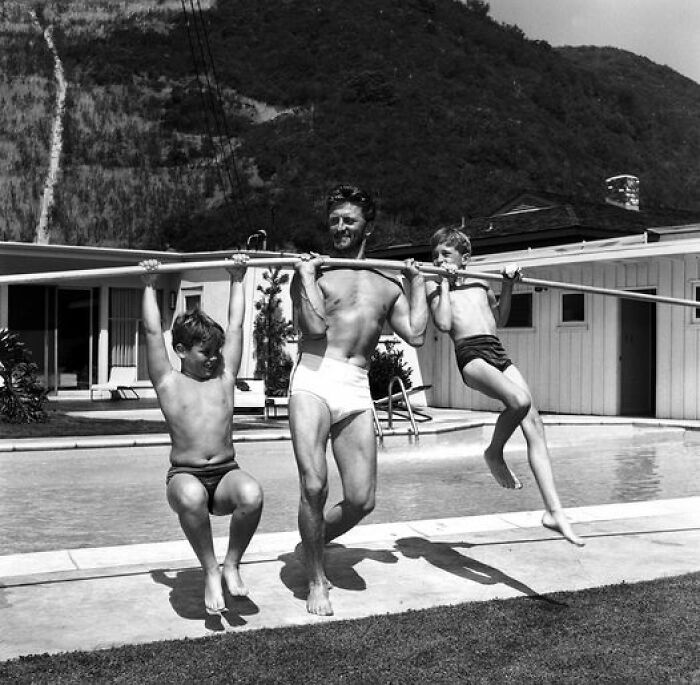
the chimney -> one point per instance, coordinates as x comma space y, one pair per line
622, 191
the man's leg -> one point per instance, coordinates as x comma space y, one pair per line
240, 495
355, 451
188, 498
490, 381
309, 422
541, 465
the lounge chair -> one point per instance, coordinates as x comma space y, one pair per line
250, 394
120, 385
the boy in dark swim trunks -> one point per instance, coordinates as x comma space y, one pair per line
197, 403
467, 308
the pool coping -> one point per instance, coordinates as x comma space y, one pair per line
273, 435
35, 568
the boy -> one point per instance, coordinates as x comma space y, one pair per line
468, 309
197, 403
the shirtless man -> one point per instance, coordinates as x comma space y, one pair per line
341, 313
197, 403
468, 310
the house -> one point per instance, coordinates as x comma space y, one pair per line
582, 353
78, 330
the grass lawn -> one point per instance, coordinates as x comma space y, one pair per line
59, 423
641, 633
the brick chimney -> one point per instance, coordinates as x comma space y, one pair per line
623, 191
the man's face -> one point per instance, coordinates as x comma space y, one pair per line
448, 254
347, 226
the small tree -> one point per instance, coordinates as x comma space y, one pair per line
383, 366
22, 397
270, 332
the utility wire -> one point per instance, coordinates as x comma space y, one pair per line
205, 110
222, 111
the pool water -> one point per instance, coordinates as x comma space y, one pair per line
95, 498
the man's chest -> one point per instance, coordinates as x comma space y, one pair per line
350, 290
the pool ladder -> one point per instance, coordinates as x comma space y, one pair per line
390, 410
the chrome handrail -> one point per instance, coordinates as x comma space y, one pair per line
377, 426
409, 409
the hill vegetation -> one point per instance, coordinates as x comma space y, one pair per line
437, 108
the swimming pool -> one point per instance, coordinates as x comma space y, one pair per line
102, 497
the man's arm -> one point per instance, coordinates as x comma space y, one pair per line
501, 308
308, 299
156, 354
409, 315
232, 349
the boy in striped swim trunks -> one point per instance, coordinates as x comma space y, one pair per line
469, 311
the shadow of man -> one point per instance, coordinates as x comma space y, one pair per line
340, 562
187, 599
444, 556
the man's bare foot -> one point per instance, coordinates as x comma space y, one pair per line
214, 603
301, 556
500, 471
234, 582
557, 521
318, 601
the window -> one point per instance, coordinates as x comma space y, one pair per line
520, 311
573, 308
127, 343
192, 298
696, 297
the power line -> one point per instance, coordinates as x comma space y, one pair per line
222, 111
209, 107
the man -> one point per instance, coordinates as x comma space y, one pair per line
341, 313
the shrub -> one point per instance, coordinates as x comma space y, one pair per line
21, 395
270, 331
383, 366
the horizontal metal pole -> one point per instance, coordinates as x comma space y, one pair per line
288, 260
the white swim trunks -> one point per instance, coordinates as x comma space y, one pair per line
343, 387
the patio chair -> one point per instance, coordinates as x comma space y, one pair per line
120, 384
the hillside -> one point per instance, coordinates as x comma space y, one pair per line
430, 103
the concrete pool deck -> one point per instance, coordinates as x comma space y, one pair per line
252, 428
86, 599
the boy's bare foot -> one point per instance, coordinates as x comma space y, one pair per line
214, 603
318, 601
234, 582
557, 521
500, 471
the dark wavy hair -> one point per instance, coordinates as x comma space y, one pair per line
452, 236
194, 326
353, 194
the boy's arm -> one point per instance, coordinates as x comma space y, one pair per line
308, 299
501, 308
232, 349
409, 315
156, 354
440, 306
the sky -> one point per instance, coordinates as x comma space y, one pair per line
665, 31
